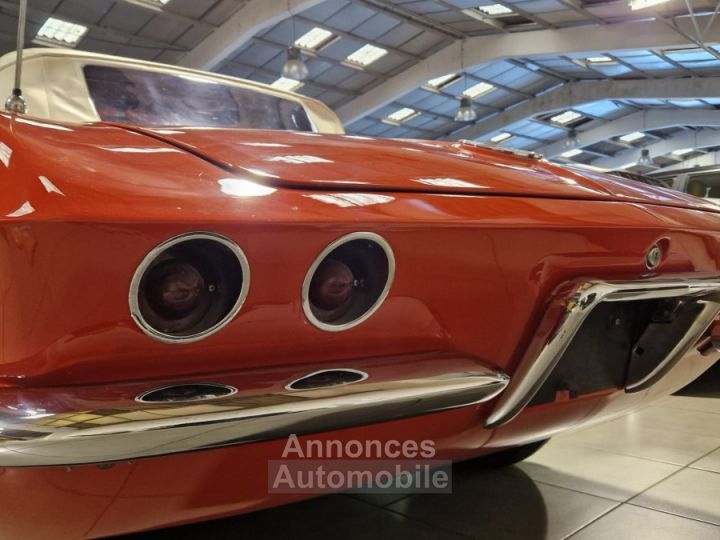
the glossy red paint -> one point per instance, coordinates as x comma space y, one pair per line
92, 502
82, 205
343, 162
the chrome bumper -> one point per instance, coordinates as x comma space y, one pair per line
117, 434
533, 371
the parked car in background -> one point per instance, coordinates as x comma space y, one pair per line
703, 182
642, 178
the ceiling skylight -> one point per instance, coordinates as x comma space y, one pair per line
640, 4
566, 117
315, 39
153, 4
632, 137
500, 137
59, 33
438, 83
289, 85
496, 10
478, 90
366, 55
600, 60
401, 115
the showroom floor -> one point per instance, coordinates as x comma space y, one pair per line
653, 474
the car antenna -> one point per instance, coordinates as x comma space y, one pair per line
16, 103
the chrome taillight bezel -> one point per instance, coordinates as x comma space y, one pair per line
305, 294
152, 256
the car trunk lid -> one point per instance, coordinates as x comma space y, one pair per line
345, 162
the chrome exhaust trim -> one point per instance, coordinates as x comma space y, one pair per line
41, 438
533, 371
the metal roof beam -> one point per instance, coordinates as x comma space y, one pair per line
358, 38
706, 160
309, 82
476, 15
639, 121
673, 23
581, 92
526, 14
703, 138
484, 49
578, 7
252, 18
410, 17
167, 12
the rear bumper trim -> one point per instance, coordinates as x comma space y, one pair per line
146, 430
533, 371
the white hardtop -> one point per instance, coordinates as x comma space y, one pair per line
54, 86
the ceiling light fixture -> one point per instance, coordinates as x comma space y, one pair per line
294, 67
645, 159
465, 113
683, 152
572, 139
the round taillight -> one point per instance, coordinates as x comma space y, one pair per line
348, 282
189, 287
176, 289
332, 285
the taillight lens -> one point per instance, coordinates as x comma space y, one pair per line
348, 282
332, 284
177, 289
189, 287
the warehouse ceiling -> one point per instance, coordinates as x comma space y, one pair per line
589, 81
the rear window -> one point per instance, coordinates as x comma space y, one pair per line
147, 98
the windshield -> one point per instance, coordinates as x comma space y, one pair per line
148, 98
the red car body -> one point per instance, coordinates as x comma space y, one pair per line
490, 249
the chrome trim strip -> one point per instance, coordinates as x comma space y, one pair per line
363, 376
533, 372
505, 150
141, 398
113, 434
305, 294
150, 258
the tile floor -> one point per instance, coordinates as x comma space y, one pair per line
654, 475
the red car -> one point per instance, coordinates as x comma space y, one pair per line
195, 269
